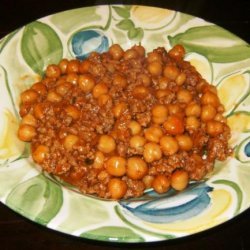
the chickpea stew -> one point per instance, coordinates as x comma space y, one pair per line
123, 121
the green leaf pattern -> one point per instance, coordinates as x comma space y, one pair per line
40, 46
113, 233
134, 33
122, 11
197, 38
37, 198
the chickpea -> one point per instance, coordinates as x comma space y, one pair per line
119, 80
84, 66
161, 93
208, 112
145, 79
193, 109
210, 98
220, 118
53, 96
159, 113
63, 88
73, 112
140, 49
119, 109
152, 152
155, 68
153, 57
24, 109
99, 160
180, 79
213, 89
158, 120
184, 96
73, 66
163, 82
160, 110
39, 111
70, 141
106, 144
207, 87
29, 96
140, 92
169, 145
110, 67
171, 72
100, 89
136, 168
134, 127
148, 180
53, 71
86, 82
175, 109
117, 188
116, 166
221, 108
161, 184
153, 134
48, 81
201, 85
94, 55
174, 125
130, 54
137, 142
214, 128
63, 64
116, 51
72, 78
60, 80
179, 179
26, 132
103, 99
185, 142
29, 119
177, 52
40, 153
192, 123
40, 88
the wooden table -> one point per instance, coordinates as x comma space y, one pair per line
17, 232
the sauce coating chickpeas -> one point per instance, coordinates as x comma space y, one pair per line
116, 166
122, 121
136, 168
26, 132
106, 144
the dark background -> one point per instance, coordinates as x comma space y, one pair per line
17, 232
233, 15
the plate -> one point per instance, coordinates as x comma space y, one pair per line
222, 59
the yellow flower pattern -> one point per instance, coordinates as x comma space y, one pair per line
151, 17
10, 145
232, 89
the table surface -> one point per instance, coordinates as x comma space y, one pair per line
17, 232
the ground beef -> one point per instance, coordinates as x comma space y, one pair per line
119, 122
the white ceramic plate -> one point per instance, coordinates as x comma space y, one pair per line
221, 57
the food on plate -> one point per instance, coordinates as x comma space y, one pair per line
117, 123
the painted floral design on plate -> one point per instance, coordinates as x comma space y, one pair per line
221, 57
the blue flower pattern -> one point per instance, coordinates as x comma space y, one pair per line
172, 206
86, 41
